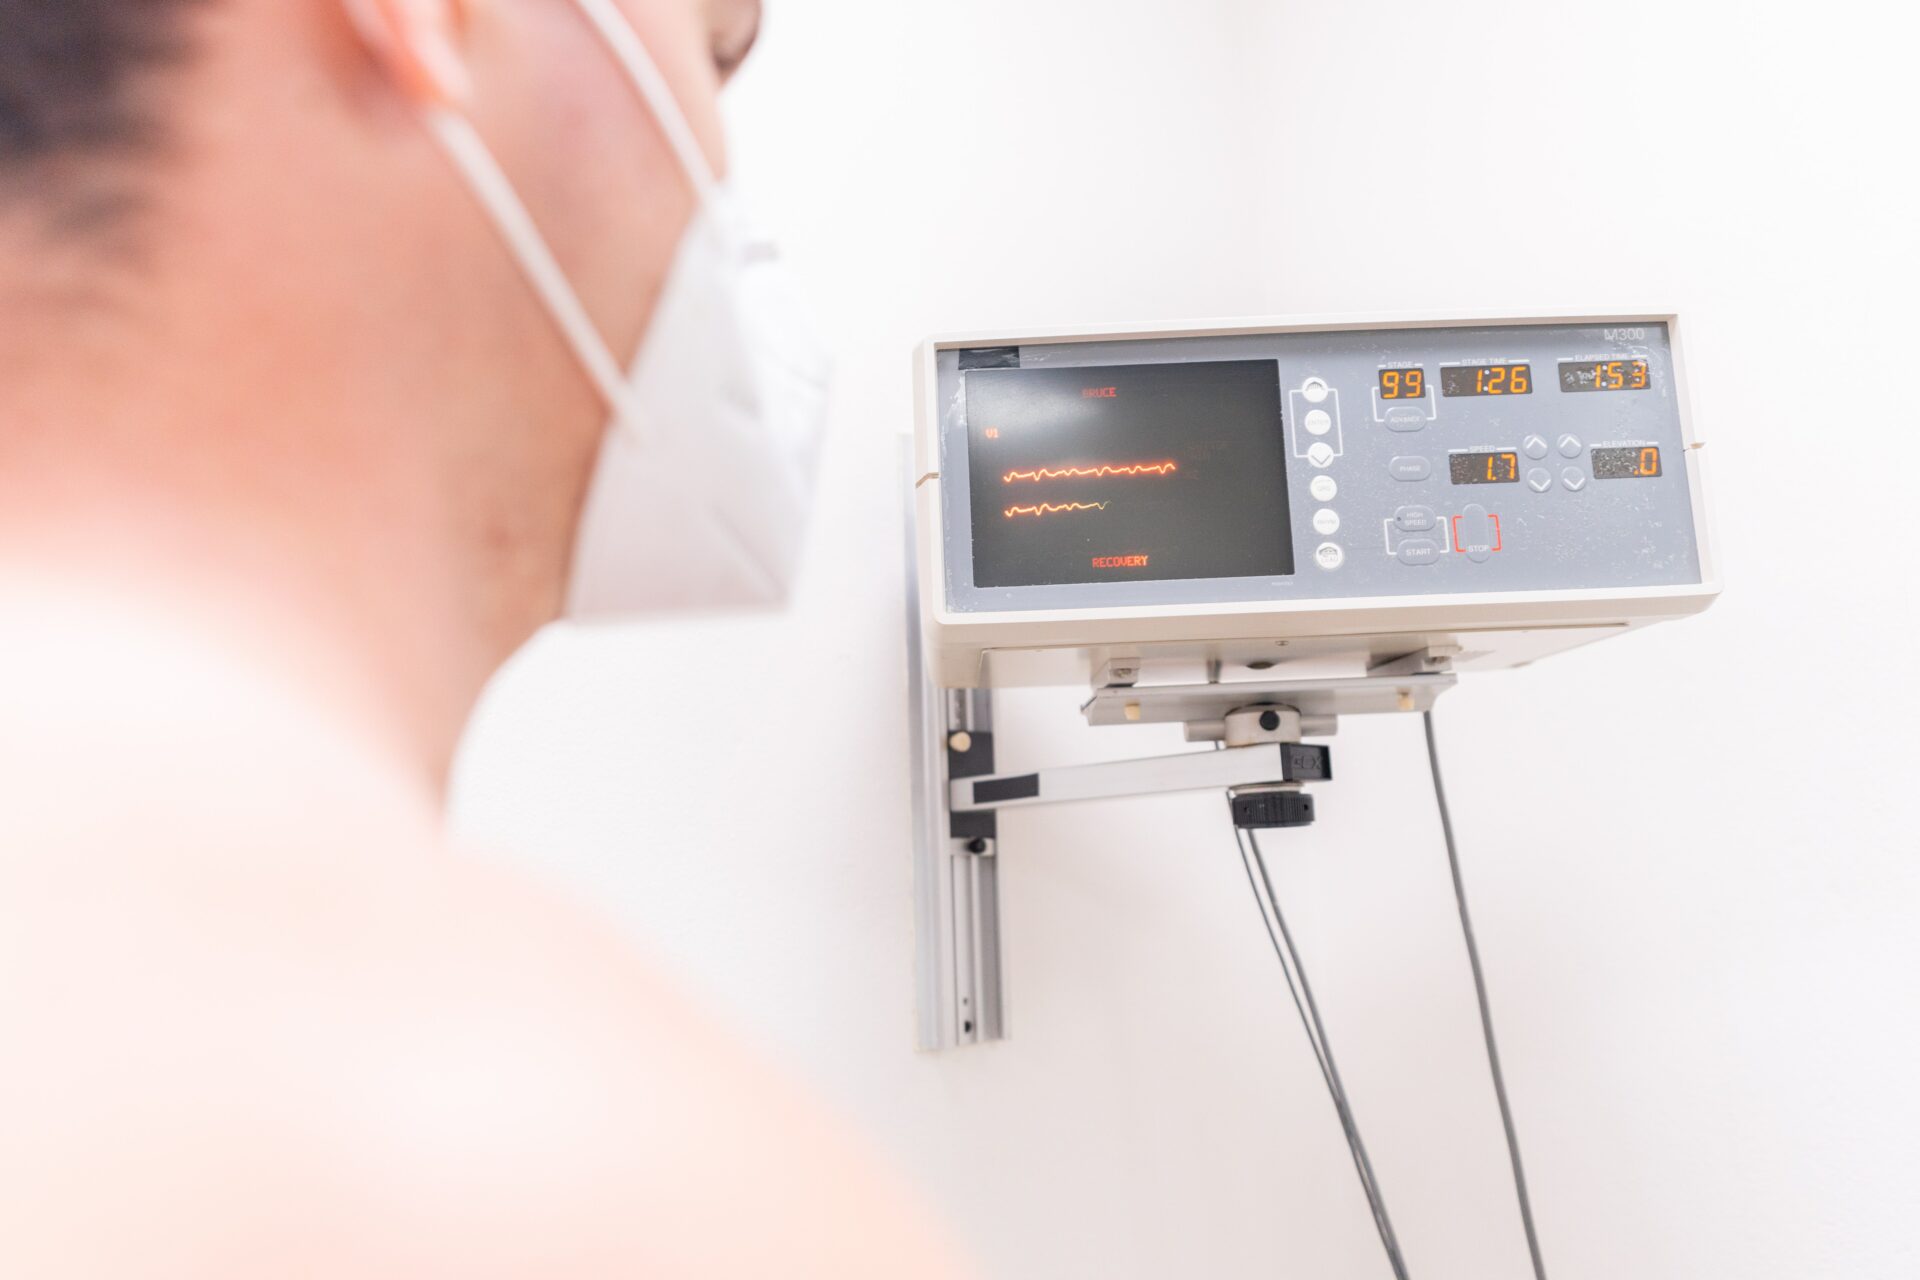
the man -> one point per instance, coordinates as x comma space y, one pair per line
314, 315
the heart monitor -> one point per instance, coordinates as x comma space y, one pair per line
1253, 493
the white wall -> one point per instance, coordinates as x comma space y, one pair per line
1692, 851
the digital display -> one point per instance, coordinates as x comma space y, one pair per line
1484, 468
1603, 375
1403, 384
1127, 473
1630, 463
1486, 380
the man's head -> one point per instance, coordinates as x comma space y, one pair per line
252, 313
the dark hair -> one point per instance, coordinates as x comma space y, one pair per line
67, 71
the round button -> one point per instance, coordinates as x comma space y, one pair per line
1534, 446
1326, 520
1574, 478
1319, 421
1314, 389
1323, 488
1328, 555
1570, 446
1539, 480
1320, 453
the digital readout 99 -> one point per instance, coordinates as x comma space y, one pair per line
1127, 473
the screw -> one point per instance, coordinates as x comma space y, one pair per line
977, 845
1269, 720
961, 741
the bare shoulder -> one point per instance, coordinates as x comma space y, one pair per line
393, 1061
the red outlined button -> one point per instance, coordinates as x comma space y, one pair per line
1497, 539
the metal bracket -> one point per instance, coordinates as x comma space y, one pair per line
1264, 763
956, 877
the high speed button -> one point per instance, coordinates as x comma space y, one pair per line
1414, 519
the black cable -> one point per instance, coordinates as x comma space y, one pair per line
1290, 964
1360, 1167
1352, 1126
1486, 1014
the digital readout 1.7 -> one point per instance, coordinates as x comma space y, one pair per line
1603, 375
1484, 468
1403, 384
1486, 380
1629, 463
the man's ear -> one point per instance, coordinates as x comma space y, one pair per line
417, 43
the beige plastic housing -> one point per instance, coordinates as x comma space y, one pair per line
1279, 639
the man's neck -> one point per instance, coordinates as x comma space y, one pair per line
354, 627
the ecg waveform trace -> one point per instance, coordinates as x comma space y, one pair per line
1053, 508
1091, 473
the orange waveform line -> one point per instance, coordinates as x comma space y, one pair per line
1054, 508
1084, 473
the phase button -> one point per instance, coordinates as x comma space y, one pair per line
1409, 467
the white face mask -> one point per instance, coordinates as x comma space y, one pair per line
705, 476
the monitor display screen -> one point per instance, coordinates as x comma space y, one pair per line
1142, 472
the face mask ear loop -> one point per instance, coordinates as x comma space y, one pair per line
618, 32
469, 153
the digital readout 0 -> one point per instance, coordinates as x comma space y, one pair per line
1484, 468
1403, 384
1486, 380
1603, 375
1633, 462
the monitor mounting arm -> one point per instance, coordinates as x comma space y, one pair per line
1259, 760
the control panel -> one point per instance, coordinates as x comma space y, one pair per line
1311, 465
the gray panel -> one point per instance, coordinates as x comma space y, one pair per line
1575, 532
